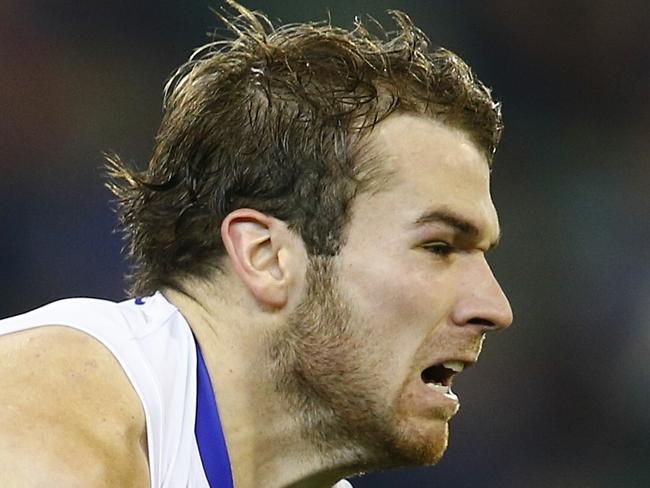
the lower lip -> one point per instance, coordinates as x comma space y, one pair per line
431, 403
448, 397
445, 391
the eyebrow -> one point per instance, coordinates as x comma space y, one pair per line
450, 219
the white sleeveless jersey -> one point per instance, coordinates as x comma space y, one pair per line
154, 345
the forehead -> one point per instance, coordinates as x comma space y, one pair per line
432, 167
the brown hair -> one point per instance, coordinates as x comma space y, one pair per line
273, 119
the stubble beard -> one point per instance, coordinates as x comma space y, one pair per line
328, 375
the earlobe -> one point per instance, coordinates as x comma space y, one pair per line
250, 241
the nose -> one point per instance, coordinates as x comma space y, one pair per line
481, 301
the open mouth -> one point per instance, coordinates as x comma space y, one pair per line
438, 377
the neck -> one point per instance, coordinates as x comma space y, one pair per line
263, 434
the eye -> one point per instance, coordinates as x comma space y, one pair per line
439, 248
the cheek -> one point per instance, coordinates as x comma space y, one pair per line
397, 299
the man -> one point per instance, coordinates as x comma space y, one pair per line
309, 274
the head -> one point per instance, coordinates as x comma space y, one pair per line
374, 151
276, 119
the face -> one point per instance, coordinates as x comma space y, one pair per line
372, 349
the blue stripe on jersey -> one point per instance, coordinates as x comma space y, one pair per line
209, 434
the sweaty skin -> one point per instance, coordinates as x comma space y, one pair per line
69, 417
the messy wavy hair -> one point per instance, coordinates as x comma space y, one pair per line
275, 118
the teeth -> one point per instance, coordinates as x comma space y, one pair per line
438, 387
445, 390
455, 366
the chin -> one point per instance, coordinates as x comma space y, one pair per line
420, 442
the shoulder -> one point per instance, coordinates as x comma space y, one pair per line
67, 409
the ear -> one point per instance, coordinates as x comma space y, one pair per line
260, 250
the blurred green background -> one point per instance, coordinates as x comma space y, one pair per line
562, 398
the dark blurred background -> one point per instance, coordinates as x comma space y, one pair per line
562, 398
